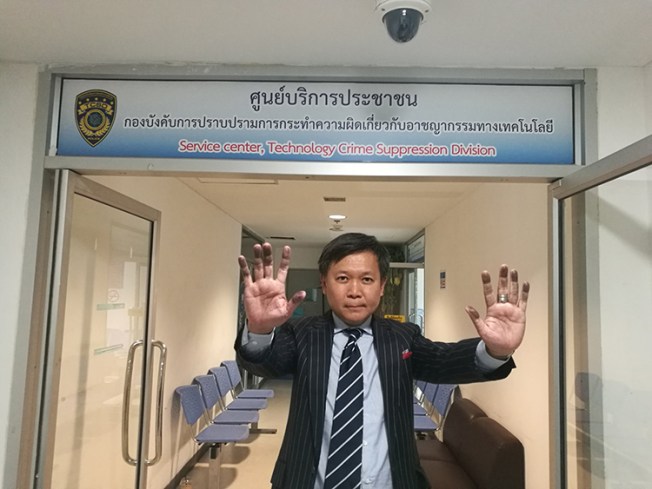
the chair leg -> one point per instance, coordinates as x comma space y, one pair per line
214, 464
255, 429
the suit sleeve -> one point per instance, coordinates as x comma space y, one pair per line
275, 360
451, 363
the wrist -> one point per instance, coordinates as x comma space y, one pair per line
260, 328
498, 355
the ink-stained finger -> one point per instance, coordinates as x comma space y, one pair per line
503, 280
244, 270
258, 262
268, 261
487, 289
284, 266
513, 286
525, 293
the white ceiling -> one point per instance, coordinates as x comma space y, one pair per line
392, 211
466, 34
471, 33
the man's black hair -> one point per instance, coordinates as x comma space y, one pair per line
349, 244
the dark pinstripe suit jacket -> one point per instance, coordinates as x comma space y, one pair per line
303, 348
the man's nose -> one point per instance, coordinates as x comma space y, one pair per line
354, 288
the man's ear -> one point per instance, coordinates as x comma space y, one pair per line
382, 287
322, 283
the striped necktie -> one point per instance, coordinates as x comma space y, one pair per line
343, 470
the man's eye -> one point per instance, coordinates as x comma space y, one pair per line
368, 280
341, 279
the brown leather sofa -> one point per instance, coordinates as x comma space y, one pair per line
477, 452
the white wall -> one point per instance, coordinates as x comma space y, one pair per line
624, 107
496, 224
196, 296
303, 257
17, 116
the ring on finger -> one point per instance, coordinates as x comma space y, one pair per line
502, 298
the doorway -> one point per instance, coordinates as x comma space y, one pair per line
104, 371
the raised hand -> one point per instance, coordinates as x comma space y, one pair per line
503, 326
265, 301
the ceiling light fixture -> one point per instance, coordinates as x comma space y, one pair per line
336, 226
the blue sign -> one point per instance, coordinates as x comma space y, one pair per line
314, 121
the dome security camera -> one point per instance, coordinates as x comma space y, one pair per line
402, 17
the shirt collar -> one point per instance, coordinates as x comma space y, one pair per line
341, 325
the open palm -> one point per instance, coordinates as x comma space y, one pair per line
265, 301
503, 326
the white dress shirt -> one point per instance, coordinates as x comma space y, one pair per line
376, 471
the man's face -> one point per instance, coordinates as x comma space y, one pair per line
353, 287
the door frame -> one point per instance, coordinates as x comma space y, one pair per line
627, 160
65, 185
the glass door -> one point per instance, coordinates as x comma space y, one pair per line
416, 303
105, 373
602, 335
404, 293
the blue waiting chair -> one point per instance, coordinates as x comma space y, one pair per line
237, 389
213, 435
211, 397
236, 403
442, 401
224, 388
437, 400
423, 423
419, 387
424, 407
429, 394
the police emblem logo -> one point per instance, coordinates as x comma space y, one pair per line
95, 113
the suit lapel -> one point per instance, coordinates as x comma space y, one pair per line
385, 344
320, 344
393, 371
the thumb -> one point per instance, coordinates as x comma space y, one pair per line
295, 300
473, 314
298, 297
475, 318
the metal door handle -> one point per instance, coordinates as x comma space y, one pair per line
126, 399
159, 401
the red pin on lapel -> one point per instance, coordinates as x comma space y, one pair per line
406, 354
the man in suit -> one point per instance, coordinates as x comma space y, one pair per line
354, 269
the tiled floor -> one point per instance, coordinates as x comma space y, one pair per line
249, 465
